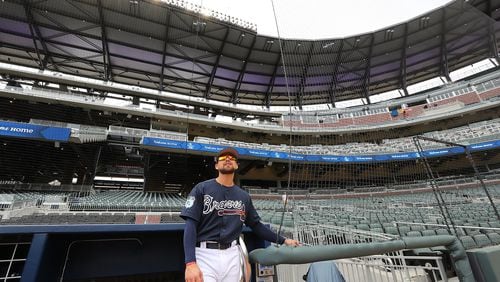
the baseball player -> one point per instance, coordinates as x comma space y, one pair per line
215, 212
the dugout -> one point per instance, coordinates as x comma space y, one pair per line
96, 252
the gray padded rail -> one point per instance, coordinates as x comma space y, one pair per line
274, 255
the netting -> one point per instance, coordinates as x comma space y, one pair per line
303, 69
328, 151
378, 163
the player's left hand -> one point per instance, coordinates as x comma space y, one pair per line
292, 243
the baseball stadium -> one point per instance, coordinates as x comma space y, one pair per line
379, 152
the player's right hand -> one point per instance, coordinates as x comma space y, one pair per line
193, 273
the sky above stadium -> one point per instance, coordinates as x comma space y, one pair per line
321, 19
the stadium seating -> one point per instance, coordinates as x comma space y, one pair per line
483, 91
71, 218
391, 214
128, 201
473, 133
452, 97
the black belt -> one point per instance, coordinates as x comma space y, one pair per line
215, 245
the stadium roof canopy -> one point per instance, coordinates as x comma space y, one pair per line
127, 41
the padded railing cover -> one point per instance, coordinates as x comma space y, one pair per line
274, 255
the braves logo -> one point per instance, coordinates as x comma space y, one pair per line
226, 207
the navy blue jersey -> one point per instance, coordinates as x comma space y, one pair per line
219, 211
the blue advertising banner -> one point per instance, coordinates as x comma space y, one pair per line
159, 142
194, 146
210, 148
484, 146
33, 131
258, 153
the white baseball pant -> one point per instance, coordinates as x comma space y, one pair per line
219, 265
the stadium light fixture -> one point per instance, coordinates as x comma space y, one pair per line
206, 12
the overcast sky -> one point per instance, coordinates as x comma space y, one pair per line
321, 19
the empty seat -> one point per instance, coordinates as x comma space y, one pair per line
482, 240
403, 230
363, 227
387, 224
468, 242
391, 230
494, 224
442, 231
428, 232
460, 232
430, 221
414, 234
494, 237
472, 232
417, 228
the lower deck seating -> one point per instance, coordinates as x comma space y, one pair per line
85, 218
72, 218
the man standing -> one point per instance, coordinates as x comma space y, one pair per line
215, 211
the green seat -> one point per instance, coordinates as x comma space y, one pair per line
403, 230
392, 230
494, 238
387, 224
442, 231
482, 240
494, 224
417, 228
472, 232
428, 232
468, 242
414, 234
363, 227
430, 222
